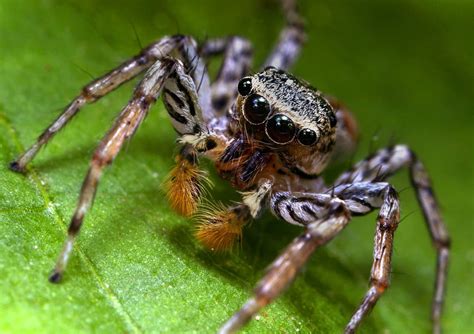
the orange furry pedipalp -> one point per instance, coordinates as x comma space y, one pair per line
220, 227
184, 186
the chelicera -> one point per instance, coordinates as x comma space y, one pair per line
270, 135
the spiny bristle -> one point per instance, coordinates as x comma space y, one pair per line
218, 227
185, 186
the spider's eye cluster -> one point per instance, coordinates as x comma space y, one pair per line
256, 109
279, 128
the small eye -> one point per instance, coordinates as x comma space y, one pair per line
280, 129
332, 119
307, 137
245, 86
256, 109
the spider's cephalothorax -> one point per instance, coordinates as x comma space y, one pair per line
284, 127
270, 135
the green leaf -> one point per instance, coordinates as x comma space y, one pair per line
404, 67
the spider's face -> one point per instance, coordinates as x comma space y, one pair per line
279, 112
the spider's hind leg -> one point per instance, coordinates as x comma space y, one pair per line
237, 58
291, 39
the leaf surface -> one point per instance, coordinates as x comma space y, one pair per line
403, 67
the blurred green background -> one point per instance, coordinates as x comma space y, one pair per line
404, 67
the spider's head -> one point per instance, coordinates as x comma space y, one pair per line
280, 113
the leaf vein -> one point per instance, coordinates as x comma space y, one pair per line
41, 185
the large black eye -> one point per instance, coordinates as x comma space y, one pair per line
245, 86
307, 137
256, 109
280, 129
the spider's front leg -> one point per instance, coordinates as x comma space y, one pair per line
96, 90
385, 163
323, 216
362, 198
185, 113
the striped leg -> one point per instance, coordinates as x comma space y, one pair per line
237, 58
97, 89
387, 222
362, 198
196, 67
236, 63
182, 102
285, 268
186, 181
291, 38
385, 163
125, 126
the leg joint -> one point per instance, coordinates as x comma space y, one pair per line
99, 160
443, 243
391, 192
75, 224
380, 284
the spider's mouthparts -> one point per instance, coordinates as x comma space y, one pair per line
219, 227
185, 186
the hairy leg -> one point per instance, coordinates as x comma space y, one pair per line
285, 268
125, 126
291, 38
219, 226
202, 130
385, 163
97, 89
186, 182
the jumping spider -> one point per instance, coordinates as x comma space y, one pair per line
270, 135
